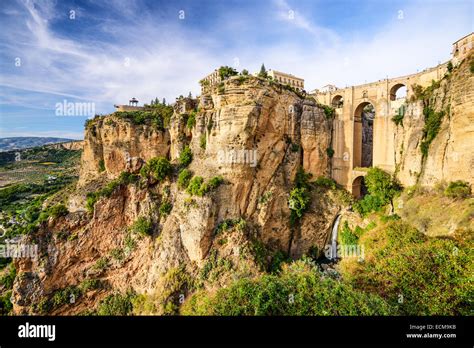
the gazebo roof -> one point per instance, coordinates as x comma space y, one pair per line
133, 99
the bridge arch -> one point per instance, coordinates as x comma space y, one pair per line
337, 101
359, 189
398, 90
363, 135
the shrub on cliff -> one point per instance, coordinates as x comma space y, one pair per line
325, 182
198, 187
202, 142
125, 178
165, 208
116, 304
458, 189
191, 122
58, 210
431, 129
8, 277
142, 226
298, 202
298, 289
299, 199
157, 115
195, 185
183, 178
185, 157
158, 168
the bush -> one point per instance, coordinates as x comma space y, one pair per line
382, 189
369, 204
101, 165
215, 182
330, 152
195, 185
64, 296
191, 120
329, 111
5, 303
198, 187
228, 224
91, 200
325, 182
450, 66
298, 290
9, 277
299, 201
458, 189
185, 157
165, 208
431, 128
159, 168
419, 275
226, 72
157, 115
398, 119
116, 304
202, 142
142, 226
58, 210
184, 177
90, 284
125, 178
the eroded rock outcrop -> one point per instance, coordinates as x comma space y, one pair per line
450, 156
253, 134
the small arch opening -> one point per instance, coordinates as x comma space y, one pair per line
337, 101
359, 189
398, 91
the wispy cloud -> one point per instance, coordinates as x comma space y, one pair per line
137, 48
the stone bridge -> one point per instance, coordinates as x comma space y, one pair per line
348, 166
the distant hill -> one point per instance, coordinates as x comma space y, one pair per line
16, 143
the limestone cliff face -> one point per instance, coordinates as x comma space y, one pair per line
120, 146
252, 133
450, 156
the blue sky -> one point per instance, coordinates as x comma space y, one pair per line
113, 50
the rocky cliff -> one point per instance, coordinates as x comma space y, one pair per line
250, 133
449, 106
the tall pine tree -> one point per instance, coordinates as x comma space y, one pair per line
263, 71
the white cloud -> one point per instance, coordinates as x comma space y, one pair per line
168, 60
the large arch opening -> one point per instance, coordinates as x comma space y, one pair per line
359, 189
337, 101
398, 91
363, 135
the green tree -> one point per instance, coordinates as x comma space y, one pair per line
382, 189
226, 72
263, 71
